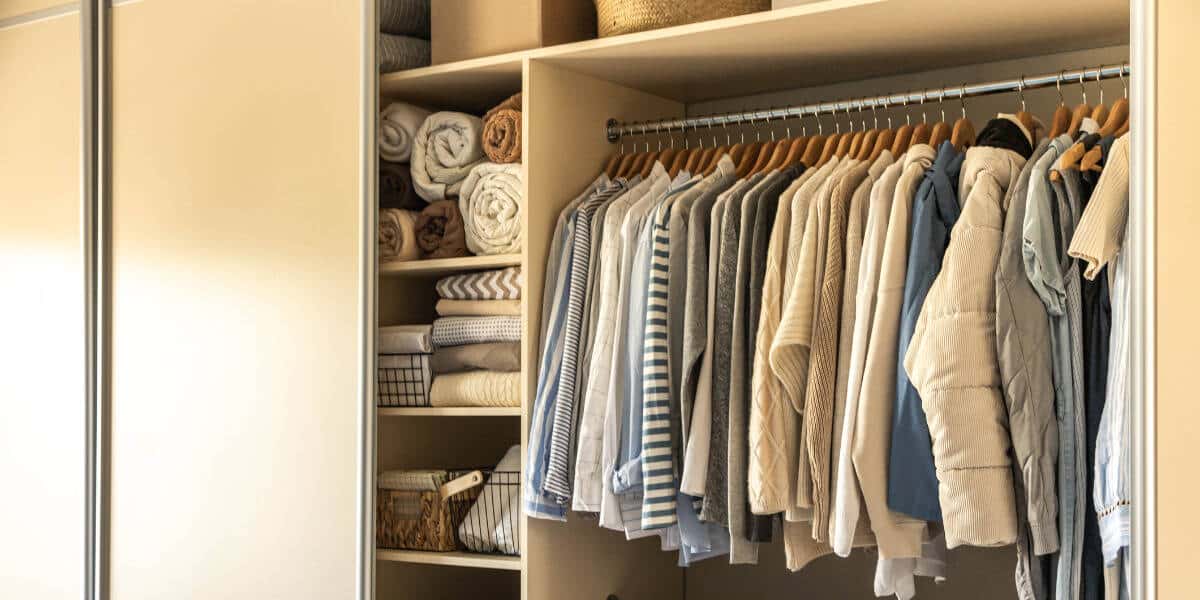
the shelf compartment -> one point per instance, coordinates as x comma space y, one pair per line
437, 267
449, 411
452, 559
473, 85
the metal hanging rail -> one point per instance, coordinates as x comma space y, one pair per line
616, 130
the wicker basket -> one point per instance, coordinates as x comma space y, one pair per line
425, 520
615, 17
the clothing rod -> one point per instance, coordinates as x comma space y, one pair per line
615, 130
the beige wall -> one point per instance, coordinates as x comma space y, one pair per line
41, 313
235, 260
1178, 327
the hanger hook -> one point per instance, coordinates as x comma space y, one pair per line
874, 113
1021, 91
1121, 76
1058, 86
862, 113
924, 99
907, 112
658, 134
849, 121
714, 136
817, 116
942, 103
962, 99
1082, 89
1099, 84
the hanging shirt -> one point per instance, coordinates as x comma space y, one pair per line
912, 479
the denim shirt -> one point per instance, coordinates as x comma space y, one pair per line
912, 479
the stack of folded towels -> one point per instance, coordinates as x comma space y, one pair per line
403, 35
404, 363
477, 340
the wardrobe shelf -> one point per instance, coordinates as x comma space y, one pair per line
452, 559
450, 411
446, 266
473, 85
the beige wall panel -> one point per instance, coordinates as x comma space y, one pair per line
1178, 327
42, 429
235, 260
17, 8
565, 115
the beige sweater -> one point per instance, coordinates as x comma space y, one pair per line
897, 535
953, 364
823, 368
1101, 228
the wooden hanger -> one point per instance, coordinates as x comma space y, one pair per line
626, 164
1091, 160
828, 149
614, 161
1100, 113
764, 156
749, 156
1117, 117
867, 146
679, 161
795, 152
778, 154
812, 150
693, 164
939, 134
884, 141
1062, 115
963, 135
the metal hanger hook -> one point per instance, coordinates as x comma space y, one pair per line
942, 103
874, 114
658, 134
1021, 91
924, 99
1121, 76
907, 112
862, 113
962, 98
714, 136
1099, 84
1082, 89
1058, 86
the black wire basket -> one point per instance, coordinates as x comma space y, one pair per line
403, 380
475, 511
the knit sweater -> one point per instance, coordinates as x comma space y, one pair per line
952, 360
1098, 237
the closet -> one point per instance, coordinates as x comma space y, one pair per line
824, 51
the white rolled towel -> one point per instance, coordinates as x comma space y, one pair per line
491, 205
446, 147
398, 125
398, 235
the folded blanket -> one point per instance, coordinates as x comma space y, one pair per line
502, 131
440, 232
396, 188
495, 356
404, 17
404, 339
477, 308
401, 52
398, 235
398, 125
403, 379
476, 388
492, 196
416, 480
491, 525
446, 147
456, 331
501, 284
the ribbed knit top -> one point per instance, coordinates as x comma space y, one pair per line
1098, 237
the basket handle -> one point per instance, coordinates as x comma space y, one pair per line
461, 484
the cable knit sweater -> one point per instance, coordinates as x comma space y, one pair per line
952, 359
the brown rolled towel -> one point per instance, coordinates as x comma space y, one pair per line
395, 187
502, 131
397, 235
440, 231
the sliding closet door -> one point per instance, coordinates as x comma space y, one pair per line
235, 314
42, 402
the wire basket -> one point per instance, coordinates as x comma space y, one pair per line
402, 380
615, 17
476, 511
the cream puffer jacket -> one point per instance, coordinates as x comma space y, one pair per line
952, 360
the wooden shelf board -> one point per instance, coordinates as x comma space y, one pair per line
445, 266
802, 46
452, 559
449, 411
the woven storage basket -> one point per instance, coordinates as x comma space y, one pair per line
422, 520
614, 17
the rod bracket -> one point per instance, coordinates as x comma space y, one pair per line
611, 130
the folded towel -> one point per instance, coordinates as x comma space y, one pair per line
494, 356
398, 235
440, 230
396, 188
501, 284
476, 388
491, 525
404, 17
477, 308
401, 52
445, 148
415, 480
502, 131
403, 379
456, 331
404, 339
492, 196
398, 126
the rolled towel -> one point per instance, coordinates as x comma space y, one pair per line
457, 331
477, 308
493, 356
502, 131
402, 52
398, 127
440, 230
404, 339
445, 148
476, 388
491, 204
404, 17
500, 284
398, 235
395, 187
